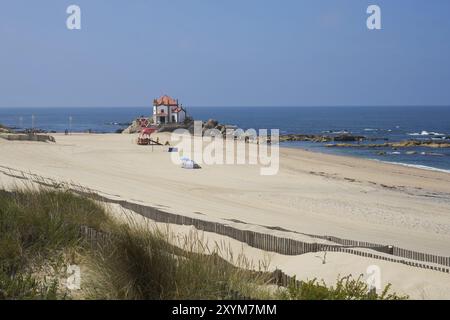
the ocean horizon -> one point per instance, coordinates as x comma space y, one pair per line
395, 123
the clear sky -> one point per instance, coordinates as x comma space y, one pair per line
224, 53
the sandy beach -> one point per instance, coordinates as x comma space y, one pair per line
313, 193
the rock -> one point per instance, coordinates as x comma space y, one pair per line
303, 137
171, 127
420, 143
348, 138
221, 128
321, 138
210, 124
191, 129
404, 144
133, 128
137, 125
354, 145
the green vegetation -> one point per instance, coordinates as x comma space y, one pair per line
137, 264
346, 288
41, 233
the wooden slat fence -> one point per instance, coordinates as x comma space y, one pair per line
268, 242
288, 246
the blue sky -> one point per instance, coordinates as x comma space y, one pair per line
224, 53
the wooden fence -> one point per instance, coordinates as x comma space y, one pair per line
268, 242
288, 246
277, 277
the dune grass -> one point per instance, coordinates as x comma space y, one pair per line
40, 235
38, 231
346, 288
138, 264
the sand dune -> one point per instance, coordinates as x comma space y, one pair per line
312, 193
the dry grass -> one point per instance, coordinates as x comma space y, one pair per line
40, 235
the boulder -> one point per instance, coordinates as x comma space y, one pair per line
348, 138
210, 124
133, 128
321, 138
137, 125
221, 128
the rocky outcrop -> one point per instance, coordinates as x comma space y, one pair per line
171, 127
420, 143
348, 138
207, 126
344, 140
325, 138
210, 124
137, 125
301, 137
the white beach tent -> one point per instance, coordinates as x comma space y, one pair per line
187, 163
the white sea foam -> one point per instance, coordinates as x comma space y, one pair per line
336, 132
417, 166
426, 133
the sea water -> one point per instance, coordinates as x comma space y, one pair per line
391, 123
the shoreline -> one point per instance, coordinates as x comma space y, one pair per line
416, 166
330, 194
350, 155
403, 164
313, 194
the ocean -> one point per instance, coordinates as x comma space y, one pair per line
392, 123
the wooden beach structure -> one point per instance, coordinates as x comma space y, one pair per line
145, 139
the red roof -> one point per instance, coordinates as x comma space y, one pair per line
165, 101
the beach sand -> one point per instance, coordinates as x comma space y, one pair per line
313, 193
